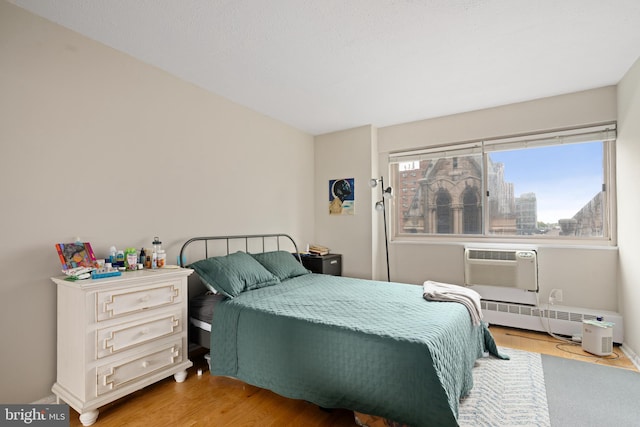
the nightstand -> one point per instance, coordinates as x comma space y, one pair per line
323, 264
119, 334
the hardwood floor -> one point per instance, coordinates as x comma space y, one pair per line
213, 402
538, 342
219, 401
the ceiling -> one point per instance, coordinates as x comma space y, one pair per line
328, 65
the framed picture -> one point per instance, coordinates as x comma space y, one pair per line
77, 254
342, 196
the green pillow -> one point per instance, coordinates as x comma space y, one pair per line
232, 274
281, 264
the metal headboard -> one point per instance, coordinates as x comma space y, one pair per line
246, 238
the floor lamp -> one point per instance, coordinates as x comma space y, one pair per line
381, 206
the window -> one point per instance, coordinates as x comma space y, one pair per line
554, 185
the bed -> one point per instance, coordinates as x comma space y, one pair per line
373, 347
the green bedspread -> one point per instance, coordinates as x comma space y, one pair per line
374, 347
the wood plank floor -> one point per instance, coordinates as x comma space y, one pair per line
538, 342
218, 401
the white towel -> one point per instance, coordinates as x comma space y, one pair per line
435, 291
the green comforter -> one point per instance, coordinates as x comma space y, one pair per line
374, 347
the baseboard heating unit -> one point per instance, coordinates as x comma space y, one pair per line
563, 320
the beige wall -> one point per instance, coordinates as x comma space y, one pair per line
587, 275
346, 154
96, 144
628, 147
575, 109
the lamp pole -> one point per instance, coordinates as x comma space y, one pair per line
384, 217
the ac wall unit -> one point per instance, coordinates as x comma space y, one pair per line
501, 267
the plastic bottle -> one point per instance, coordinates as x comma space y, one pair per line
142, 256
162, 258
120, 258
112, 255
157, 247
147, 257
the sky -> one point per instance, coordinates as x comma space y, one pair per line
563, 177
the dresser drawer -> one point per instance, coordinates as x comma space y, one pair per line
118, 374
110, 304
121, 337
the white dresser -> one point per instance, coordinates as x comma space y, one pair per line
119, 334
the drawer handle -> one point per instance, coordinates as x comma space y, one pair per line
107, 381
144, 331
334, 262
176, 293
144, 298
106, 344
145, 364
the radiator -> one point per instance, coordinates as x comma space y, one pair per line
563, 320
512, 268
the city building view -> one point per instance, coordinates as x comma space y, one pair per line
444, 196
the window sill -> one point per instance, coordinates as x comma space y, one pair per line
498, 242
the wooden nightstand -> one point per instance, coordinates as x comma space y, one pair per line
323, 264
119, 334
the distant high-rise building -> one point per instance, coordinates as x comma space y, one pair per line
589, 221
526, 213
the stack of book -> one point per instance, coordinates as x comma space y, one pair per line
318, 250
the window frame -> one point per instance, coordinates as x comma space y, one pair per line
605, 133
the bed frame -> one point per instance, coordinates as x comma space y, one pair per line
198, 248
237, 241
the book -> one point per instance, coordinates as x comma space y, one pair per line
318, 250
73, 255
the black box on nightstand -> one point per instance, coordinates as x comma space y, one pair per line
323, 264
